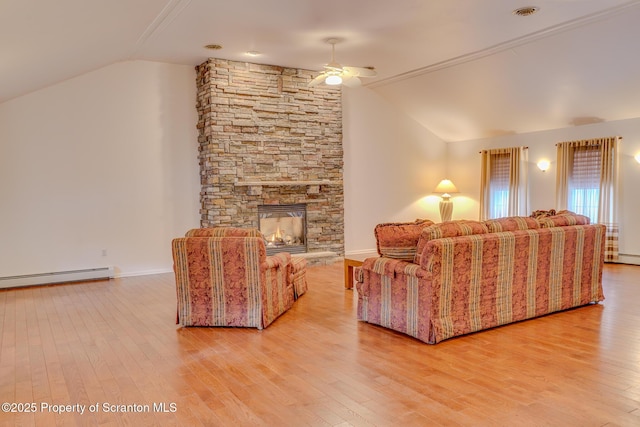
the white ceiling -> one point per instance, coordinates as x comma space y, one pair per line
465, 69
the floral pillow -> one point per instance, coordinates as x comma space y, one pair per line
542, 213
511, 223
399, 240
462, 227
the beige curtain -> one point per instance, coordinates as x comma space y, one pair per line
609, 186
518, 203
485, 180
564, 160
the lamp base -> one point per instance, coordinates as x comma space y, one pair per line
446, 210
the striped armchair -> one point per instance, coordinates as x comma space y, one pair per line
224, 278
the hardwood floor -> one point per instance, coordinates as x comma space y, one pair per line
116, 343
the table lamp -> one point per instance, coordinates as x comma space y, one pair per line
445, 187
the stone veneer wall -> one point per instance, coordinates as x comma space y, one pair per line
265, 137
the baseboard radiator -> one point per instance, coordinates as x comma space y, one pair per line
57, 277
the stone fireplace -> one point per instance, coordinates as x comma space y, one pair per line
267, 139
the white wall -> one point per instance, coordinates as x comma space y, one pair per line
108, 161
391, 166
102, 163
464, 163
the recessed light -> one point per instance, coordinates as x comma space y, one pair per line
213, 47
253, 53
526, 11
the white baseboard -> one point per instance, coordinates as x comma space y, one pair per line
629, 259
57, 277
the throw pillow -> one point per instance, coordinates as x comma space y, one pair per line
542, 213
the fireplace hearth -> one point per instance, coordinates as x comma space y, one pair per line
284, 227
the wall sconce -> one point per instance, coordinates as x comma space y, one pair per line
446, 206
543, 165
637, 157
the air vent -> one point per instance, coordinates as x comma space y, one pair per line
526, 11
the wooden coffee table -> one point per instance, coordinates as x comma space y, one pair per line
352, 261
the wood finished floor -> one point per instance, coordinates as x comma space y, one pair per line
116, 342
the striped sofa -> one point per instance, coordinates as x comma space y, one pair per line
224, 278
465, 276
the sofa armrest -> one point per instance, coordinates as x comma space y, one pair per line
392, 267
281, 259
277, 289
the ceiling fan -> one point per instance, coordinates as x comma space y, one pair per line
335, 74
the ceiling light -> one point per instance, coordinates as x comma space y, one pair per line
333, 80
213, 47
526, 11
252, 53
336, 74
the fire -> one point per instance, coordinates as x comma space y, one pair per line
277, 236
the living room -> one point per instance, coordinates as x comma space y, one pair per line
101, 168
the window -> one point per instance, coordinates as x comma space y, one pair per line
499, 186
503, 183
588, 184
584, 182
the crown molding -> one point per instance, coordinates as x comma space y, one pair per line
509, 44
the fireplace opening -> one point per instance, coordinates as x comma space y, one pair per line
284, 227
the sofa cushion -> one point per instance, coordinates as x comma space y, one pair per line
399, 240
564, 218
463, 227
511, 223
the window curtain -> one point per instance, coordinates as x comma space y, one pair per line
575, 159
518, 186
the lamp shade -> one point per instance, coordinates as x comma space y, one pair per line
445, 187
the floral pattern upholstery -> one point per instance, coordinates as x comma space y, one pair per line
230, 281
467, 283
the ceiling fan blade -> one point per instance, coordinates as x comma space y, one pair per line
318, 80
360, 71
333, 67
351, 81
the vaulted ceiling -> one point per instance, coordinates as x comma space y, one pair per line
464, 69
